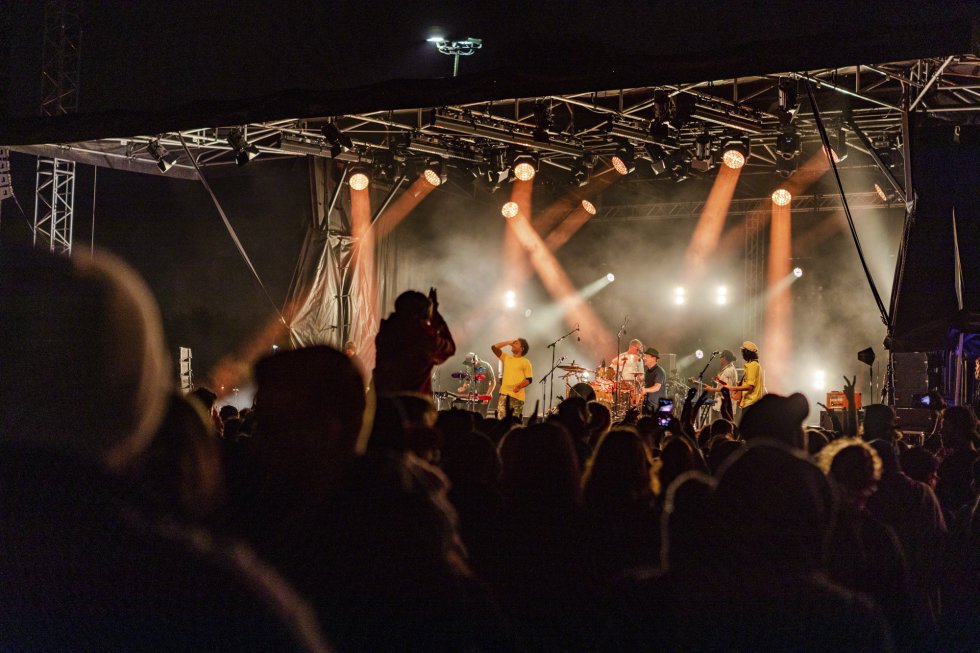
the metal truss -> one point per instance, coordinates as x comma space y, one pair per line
565, 130
55, 188
686, 210
54, 208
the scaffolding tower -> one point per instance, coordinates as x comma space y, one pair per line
55, 183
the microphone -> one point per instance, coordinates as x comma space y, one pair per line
715, 353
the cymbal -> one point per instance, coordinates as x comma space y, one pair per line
573, 368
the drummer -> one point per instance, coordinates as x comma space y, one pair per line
479, 377
630, 362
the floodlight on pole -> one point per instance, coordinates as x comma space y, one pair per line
456, 49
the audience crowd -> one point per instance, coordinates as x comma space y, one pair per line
326, 519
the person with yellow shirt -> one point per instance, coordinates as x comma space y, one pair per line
516, 376
753, 383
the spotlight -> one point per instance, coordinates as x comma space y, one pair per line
543, 121
338, 141
680, 166
680, 295
797, 272
165, 160
623, 159
510, 299
589, 207
886, 196
702, 159
819, 380
509, 210
699, 354
788, 100
781, 197
721, 295
658, 158
786, 168
734, 153
610, 277
788, 143
435, 171
582, 170
359, 179
244, 151
525, 167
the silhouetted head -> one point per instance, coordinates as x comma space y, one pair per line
412, 303
879, 422
310, 407
83, 368
677, 457
777, 418
541, 471
688, 531
855, 468
960, 427
774, 507
619, 472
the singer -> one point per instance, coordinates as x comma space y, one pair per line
727, 375
516, 376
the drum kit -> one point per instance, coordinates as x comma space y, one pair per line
602, 385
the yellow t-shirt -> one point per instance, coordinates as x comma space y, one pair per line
516, 369
752, 376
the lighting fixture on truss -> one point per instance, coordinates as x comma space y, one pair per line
623, 161
582, 170
658, 158
244, 151
165, 160
359, 178
435, 171
525, 167
338, 141
735, 152
544, 121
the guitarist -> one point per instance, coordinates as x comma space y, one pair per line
727, 376
753, 383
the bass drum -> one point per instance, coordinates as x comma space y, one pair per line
599, 391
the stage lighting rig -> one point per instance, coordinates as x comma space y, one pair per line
479, 126
582, 170
788, 147
781, 197
544, 121
435, 171
624, 159
165, 160
702, 159
735, 152
680, 165
338, 141
788, 100
244, 151
359, 178
658, 158
525, 166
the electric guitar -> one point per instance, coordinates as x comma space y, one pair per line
736, 394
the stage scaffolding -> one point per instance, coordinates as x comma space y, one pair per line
55, 182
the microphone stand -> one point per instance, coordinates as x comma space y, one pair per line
544, 379
701, 389
552, 346
619, 366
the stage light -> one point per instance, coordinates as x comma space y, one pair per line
680, 166
680, 296
735, 153
623, 160
543, 121
788, 143
797, 272
721, 295
699, 354
527, 312
819, 380
165, 160
359, 180
702, 159
589, 207
435, 171
610, 277
525, 167
781, 197
244, 151
582, 170
510, 299
658, 158
338, 141
509, 210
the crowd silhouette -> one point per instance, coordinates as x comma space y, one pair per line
326, 518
